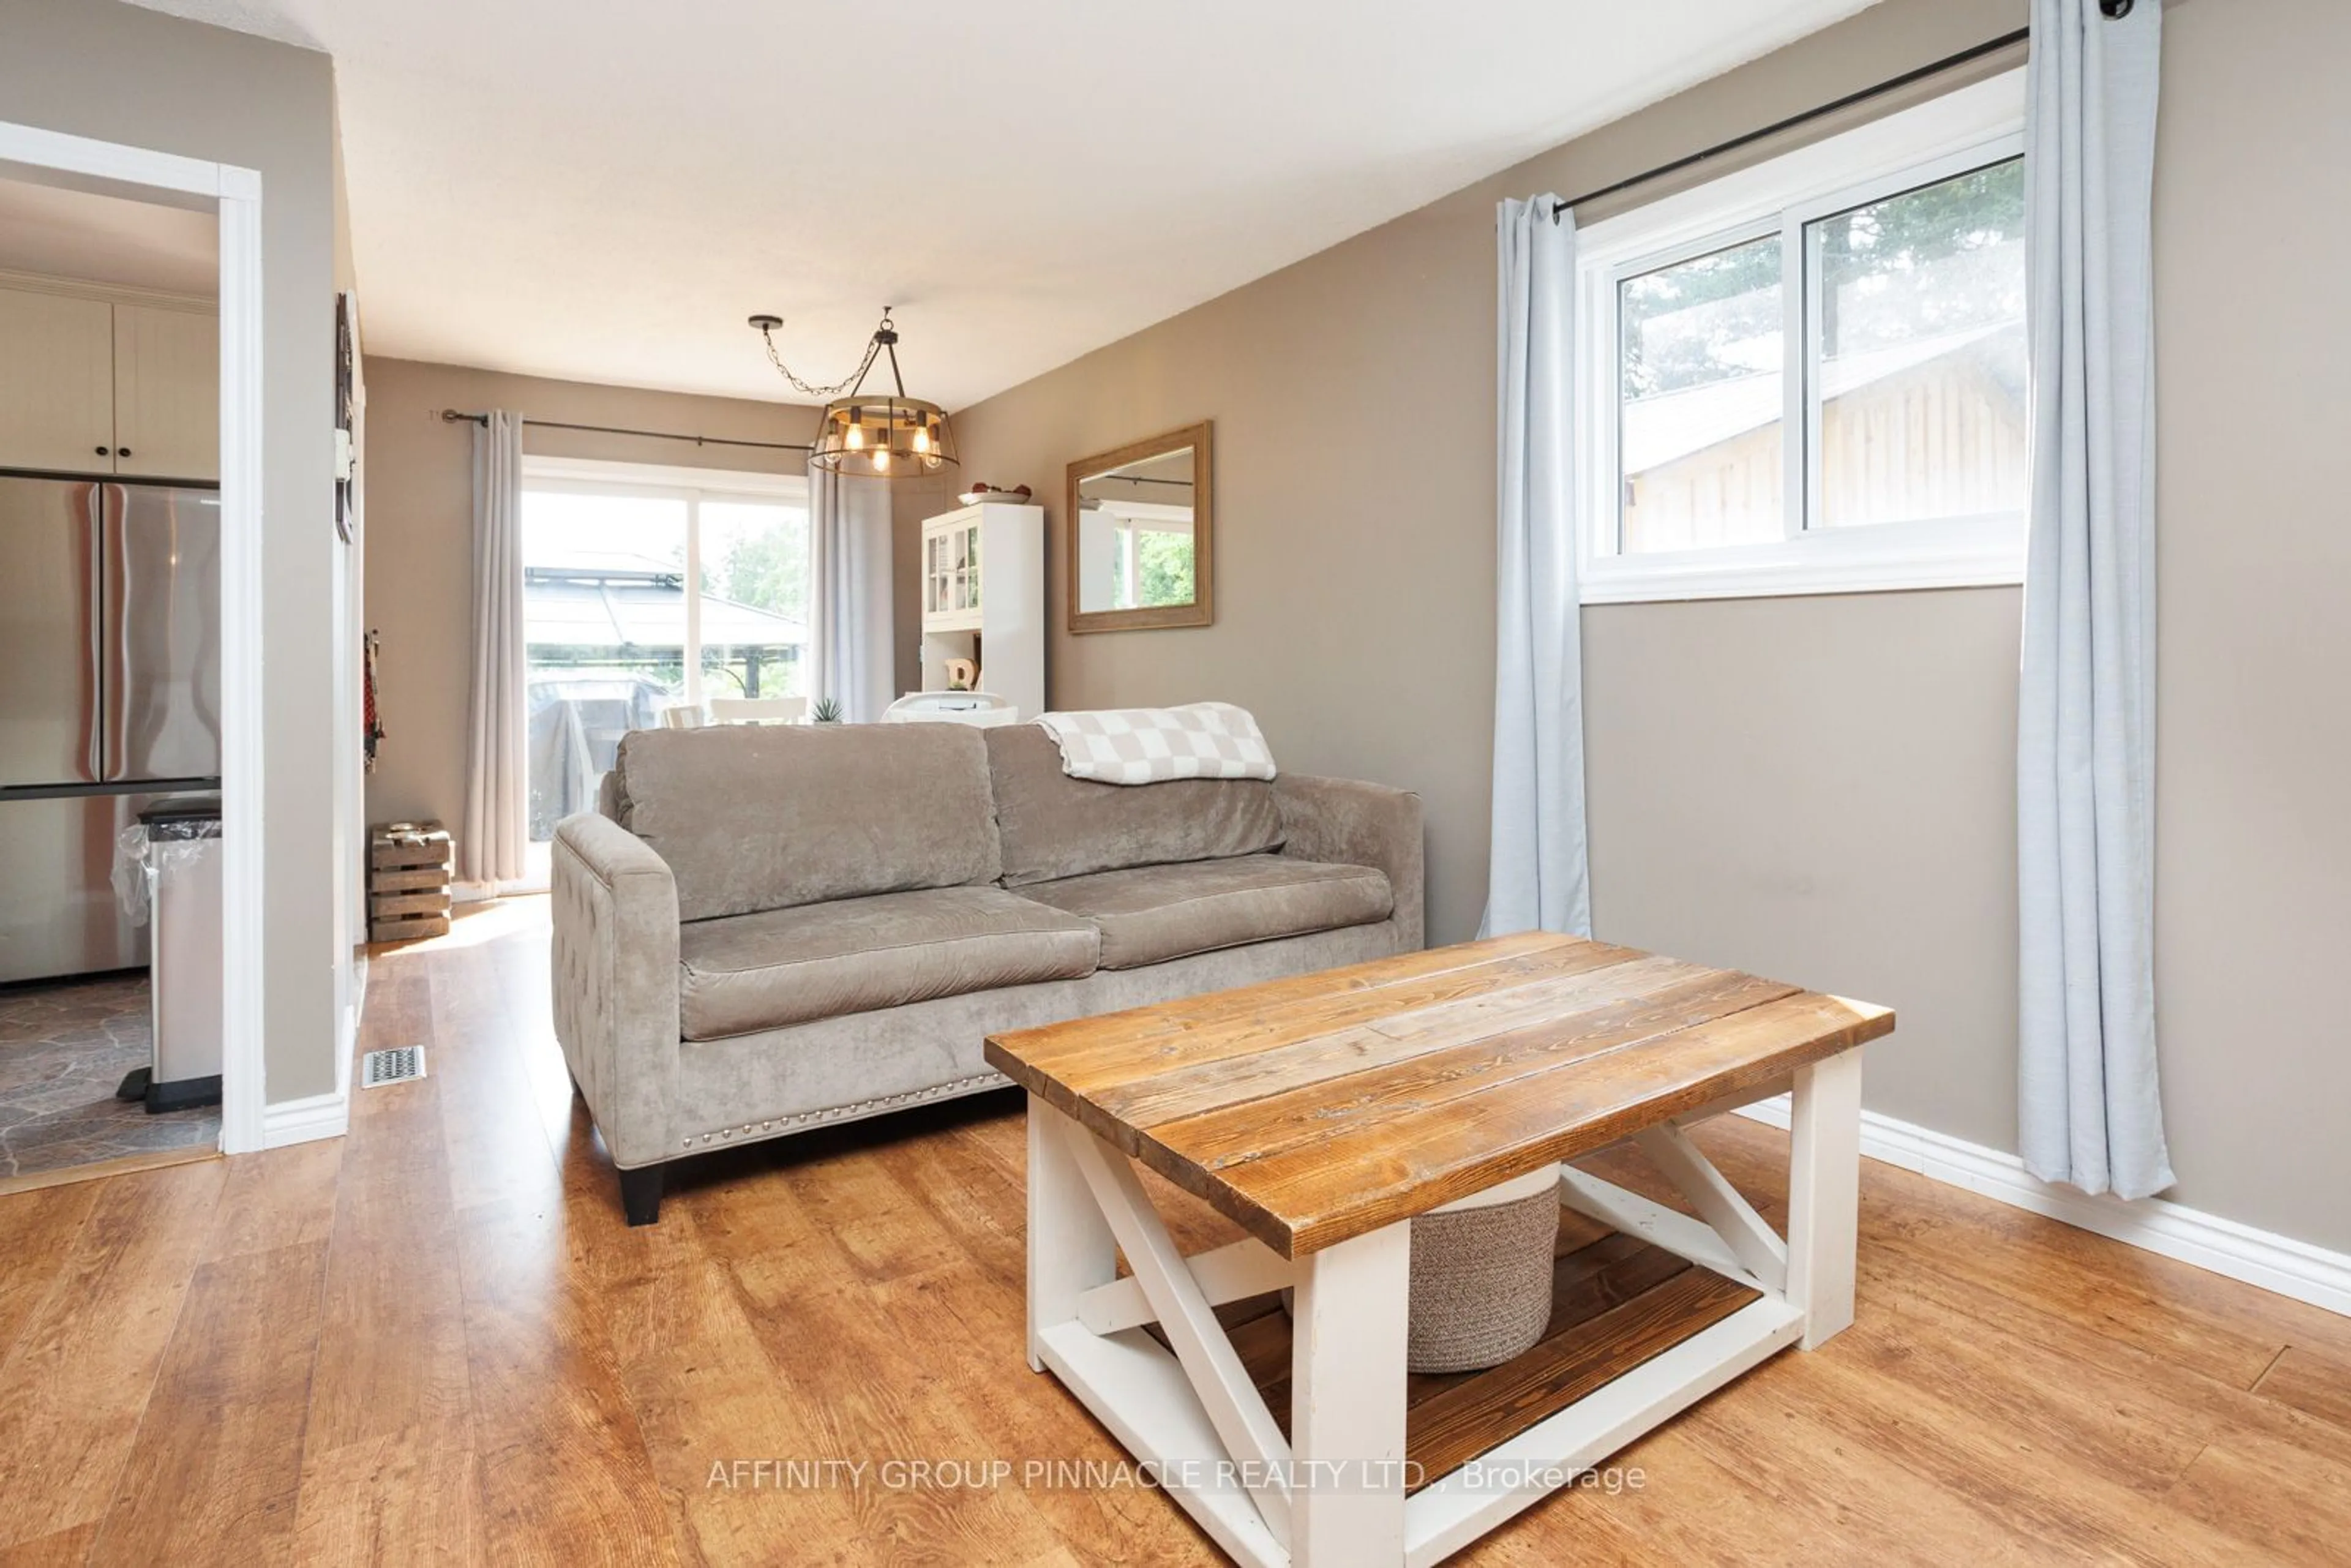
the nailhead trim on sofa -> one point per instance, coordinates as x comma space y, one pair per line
850, 1112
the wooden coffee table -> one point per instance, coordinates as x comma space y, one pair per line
1322, 1112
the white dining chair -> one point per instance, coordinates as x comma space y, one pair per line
682, 715
982, 710
757, 710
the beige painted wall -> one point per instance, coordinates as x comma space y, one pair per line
1821, 788
420, 514
123, 74
2254, 731
911, 501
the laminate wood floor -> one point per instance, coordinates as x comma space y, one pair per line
435, 1341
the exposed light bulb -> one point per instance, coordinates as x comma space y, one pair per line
922, 438
881, 460
856, 441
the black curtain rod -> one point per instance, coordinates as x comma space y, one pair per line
1892, 84
454, 416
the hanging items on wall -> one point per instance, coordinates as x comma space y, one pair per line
370, 723
886, 436
347, 457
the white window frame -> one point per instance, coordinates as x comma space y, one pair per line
1969, 128
598, 477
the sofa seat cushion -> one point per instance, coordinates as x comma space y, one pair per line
1150, 914
780, 966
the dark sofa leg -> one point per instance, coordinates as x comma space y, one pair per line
641, 1191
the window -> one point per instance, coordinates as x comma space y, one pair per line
1810, 376
644, 588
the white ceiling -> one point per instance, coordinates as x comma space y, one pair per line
603, 190
61, 233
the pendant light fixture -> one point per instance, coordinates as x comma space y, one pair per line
885, 434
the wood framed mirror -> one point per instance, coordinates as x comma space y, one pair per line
1141, 536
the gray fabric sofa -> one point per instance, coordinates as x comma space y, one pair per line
764, 929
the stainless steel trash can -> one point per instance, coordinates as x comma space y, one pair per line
183, 876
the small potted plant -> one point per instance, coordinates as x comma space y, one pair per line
825, 710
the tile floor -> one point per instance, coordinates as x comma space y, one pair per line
63, 1049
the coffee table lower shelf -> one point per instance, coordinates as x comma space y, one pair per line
1616, 1302
1592, 1386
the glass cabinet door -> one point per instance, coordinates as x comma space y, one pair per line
951, 570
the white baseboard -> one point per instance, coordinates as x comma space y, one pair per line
2262, 1257
301, 1121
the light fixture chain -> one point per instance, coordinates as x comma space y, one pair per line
837, 388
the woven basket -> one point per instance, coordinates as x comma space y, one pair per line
1481, 1277
1481, 1281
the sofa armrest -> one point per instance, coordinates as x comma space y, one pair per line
615, 980
1351, 823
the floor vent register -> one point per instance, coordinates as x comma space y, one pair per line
396, 1065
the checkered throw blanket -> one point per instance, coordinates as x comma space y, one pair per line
1153, 745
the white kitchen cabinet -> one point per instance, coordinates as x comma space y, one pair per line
94, 384
167, 392
56, 381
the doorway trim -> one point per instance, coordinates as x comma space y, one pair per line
145, 174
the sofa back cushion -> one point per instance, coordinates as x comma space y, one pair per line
753, 817
1053, 826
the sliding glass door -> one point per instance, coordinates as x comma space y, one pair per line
754, 557
643, 590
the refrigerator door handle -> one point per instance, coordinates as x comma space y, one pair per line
115, 637
93, 744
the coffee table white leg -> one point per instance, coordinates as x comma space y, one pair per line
1346, 1410
1824, 1192
1070, 1246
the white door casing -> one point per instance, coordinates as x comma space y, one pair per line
235, 193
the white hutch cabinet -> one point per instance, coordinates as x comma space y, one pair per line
983, 571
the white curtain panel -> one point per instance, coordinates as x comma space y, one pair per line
491, 838
1537, 875
2089, 1110
849, 573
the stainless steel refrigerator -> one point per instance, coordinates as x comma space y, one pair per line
110, 694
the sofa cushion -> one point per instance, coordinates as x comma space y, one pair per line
783, 966
752, 817
1151, 913
1054, 826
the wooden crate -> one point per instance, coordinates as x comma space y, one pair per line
384, 906
409, 868
408, 928
408, 846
